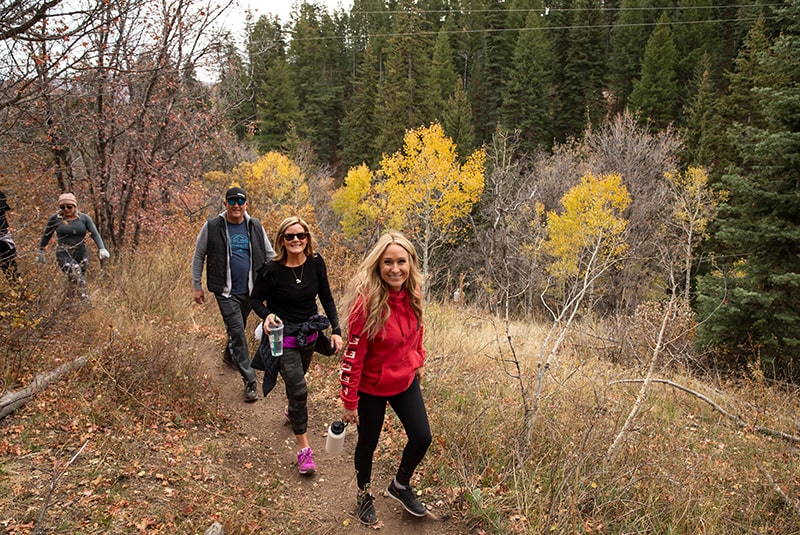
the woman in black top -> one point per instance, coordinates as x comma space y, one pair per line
286, 291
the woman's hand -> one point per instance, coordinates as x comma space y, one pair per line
350, 417
337, 343
271, 321
420, 372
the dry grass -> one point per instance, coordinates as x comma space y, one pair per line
159, 455
685, 468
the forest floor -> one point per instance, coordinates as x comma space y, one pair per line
328, 496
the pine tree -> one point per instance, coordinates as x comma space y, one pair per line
457, 121
273, 99
265, 46
482, 56
751, 306
655, 93
359, 129
741, 105
527, 104
695, 33
700, 116
581, 48
402, 96
629, 36
444, 78
278, 110
316, 63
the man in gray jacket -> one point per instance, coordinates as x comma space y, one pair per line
232, 245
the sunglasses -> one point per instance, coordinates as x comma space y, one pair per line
239, 201
299, 236
66, 206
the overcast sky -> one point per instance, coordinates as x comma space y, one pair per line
281, 8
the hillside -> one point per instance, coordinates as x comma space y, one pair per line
151, 435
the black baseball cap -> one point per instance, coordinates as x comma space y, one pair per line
235, 193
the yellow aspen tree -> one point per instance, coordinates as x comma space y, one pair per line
695, 205
588, 233
355, 202
584, 241
427, 192
275, 181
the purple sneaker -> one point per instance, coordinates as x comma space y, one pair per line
305, 461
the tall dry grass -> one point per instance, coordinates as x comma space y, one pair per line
683, 467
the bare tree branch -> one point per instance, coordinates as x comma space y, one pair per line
645, 389
735, 419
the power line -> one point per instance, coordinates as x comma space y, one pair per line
550, 10
424, 33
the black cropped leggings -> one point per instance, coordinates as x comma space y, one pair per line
410, 408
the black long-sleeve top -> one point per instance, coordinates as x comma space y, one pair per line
276, 291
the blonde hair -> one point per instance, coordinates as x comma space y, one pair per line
280, 246
369, 291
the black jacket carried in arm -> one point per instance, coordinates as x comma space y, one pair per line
213, 247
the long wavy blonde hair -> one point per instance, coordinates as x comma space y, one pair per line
368, 289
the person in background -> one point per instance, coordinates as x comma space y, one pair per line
286, 292
232, 244
70, 227
383, 363
8, 250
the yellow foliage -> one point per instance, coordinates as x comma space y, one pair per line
590, 229
274, 180
425, 188
355, 202
695, 202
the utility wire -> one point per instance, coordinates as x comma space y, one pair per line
551, 10
422, 33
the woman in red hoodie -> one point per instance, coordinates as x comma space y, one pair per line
383, 364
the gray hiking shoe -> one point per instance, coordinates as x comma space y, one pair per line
407, 497
250, 393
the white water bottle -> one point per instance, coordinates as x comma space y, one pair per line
335, 441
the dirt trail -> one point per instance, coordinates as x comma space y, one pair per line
330, 492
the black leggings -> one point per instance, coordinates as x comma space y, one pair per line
410, 408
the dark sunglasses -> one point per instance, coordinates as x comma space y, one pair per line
66, 206
298, 236
234, 202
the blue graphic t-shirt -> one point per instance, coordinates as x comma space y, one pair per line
240, 257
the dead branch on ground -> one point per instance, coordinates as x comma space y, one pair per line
57, 475
17, 398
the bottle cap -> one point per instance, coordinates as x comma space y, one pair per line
337, 427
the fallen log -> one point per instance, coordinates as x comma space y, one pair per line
13, 400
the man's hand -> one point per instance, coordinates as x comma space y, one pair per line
199, 297
104, 254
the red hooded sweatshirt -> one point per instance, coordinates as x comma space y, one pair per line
387, 364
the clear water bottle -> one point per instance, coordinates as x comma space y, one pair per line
335, 441
276, 340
